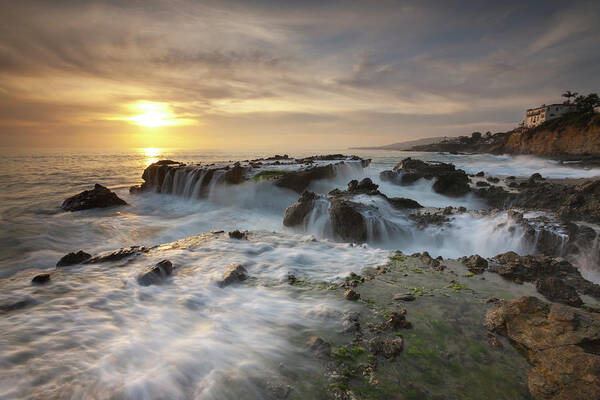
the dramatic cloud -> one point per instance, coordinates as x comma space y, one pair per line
274, 73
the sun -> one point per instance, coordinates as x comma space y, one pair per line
153, 115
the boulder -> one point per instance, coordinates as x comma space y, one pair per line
235, 273
401, 203
555, 289
41, 279
347, 222
297, 212
156, 274
476, 264
98, 197
364, 186
238, 235
561, 343
73, 258
387, 347
298, 181
449, 180
235, 175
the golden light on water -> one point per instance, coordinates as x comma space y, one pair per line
151, 154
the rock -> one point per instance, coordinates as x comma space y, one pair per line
494, 342
298, 181
560, 342
15, 305
555, 289
387, 347
238, 235
291, 279
482, 184
480, 173
492, 179
98, 197
449, 180
476, 264
511, 178
430, 261
156, 274
365, 185
235, 273
235, 175
351, 323
347, 222
535, 177
397, 320
320, 348
352, 295
41, 279
389, 176
73, 258
403, 203
404, 297
119, 254
296, 213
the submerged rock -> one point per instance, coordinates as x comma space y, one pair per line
119, 254
364, 186
352, 295
561, 343
387, 347
98, 197
347, 223
156, 274
319, 347
41, 279
73, 258
238, 235
235, 273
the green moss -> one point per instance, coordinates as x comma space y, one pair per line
268, 175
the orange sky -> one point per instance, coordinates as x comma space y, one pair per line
272, 75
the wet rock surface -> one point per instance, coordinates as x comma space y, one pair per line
73, 258
156, 274
448, 180
238, 235
41, 279
118, 254
347, 222
235, 273
98, 197
555, 289
476, 264
296, 213
561, 343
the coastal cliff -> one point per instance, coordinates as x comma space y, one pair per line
560, 138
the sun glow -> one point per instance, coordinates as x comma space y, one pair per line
151, 154
153, 115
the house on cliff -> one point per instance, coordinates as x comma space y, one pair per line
536, 116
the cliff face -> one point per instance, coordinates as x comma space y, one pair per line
556, 140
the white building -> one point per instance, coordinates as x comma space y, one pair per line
536, 116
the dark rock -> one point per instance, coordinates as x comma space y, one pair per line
235, 273
535, 177
297, 212
18, 304
347, 222
476, 264
555, 289
365, 185
482, 184
449, 180
235, 175
492, 179
156, 274
397, 320
351, 295
480, 173
561, 343
98, 197
320, 348
291, 279
41, 279
73, 258
402, 203
387, 347
119, 254
238, 235
351, 323
389, 176
511, 178
494, 342
298, 181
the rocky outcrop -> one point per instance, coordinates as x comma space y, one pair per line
235, 273
476, 264
298, 181
347, 222
73, 258
156, 274
118, 254
238, 235
561, 343
98, 197
540, 268
448, 180
297, 212
41, 279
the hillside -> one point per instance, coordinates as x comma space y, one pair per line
404, 145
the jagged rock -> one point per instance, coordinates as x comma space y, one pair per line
561, 343
156, 274
387, 347
480, 174
73, 258
235, 175
555, 289
432, 262
297, 212
119, 254
320, 348
238, 235
476, 264
298, 181
98, 197
352, 295
449, 180
535, 177
482, 184
397, 320
347, 222
291, 279
364, 186
41, 279
389, 176
235, 273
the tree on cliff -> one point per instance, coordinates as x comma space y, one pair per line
568, 94
586, 104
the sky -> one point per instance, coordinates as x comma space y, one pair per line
284, 74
